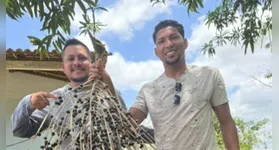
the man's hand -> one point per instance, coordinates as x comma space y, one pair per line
40, 100
97, 71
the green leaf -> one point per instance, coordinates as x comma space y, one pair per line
45, 52
61, 36
48, 42
67, 23
102, 8
81, 5
34, 40
41, 55
91, 3
30, 11
83, 32
41, 7
11, 15
35, 9
59, 45
55, 46
46, 38
189, 8
37, 51
7, 2
252, 45
96, 2
200, 2
268, 76
53, 24
61, 41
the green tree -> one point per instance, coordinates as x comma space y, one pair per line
253, 26
249, 133
56, 16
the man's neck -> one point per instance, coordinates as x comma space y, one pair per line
74, 84
175, 71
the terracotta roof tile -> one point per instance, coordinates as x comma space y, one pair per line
27, 54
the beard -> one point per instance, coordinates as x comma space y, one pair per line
173, 62
80, 80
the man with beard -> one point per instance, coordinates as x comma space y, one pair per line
181, 100
76, 64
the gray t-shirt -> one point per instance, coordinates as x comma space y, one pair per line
188, 125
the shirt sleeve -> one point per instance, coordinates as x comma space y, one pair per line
24, 122
140, 102
219, 95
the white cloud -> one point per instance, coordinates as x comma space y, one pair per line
125, 17
132, 75
87, 41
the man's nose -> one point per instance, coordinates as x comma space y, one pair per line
169, 43
76, 61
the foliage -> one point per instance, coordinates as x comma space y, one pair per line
252, 25
56, 16
249, 133
193, 5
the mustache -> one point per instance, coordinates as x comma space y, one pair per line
81, 68
81, 79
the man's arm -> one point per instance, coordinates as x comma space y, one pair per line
137, 115
30, 112
24, 121
227, 125
219, 101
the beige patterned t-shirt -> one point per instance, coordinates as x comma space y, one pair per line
188, 125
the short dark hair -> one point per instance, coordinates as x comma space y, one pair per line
166, 23
76, 42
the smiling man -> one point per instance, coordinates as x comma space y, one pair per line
33, 108
181, 100
76, 60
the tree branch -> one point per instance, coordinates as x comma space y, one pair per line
267, 85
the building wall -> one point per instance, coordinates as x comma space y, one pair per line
17, 86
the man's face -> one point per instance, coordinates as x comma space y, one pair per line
170, 45
105, 61
76, 63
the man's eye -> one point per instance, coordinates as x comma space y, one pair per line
159, 42
175, 37
82, 58
70, 59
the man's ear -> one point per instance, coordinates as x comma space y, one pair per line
155, 51
63, 66
185, 43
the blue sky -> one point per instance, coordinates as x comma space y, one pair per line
129, 36
139, 48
